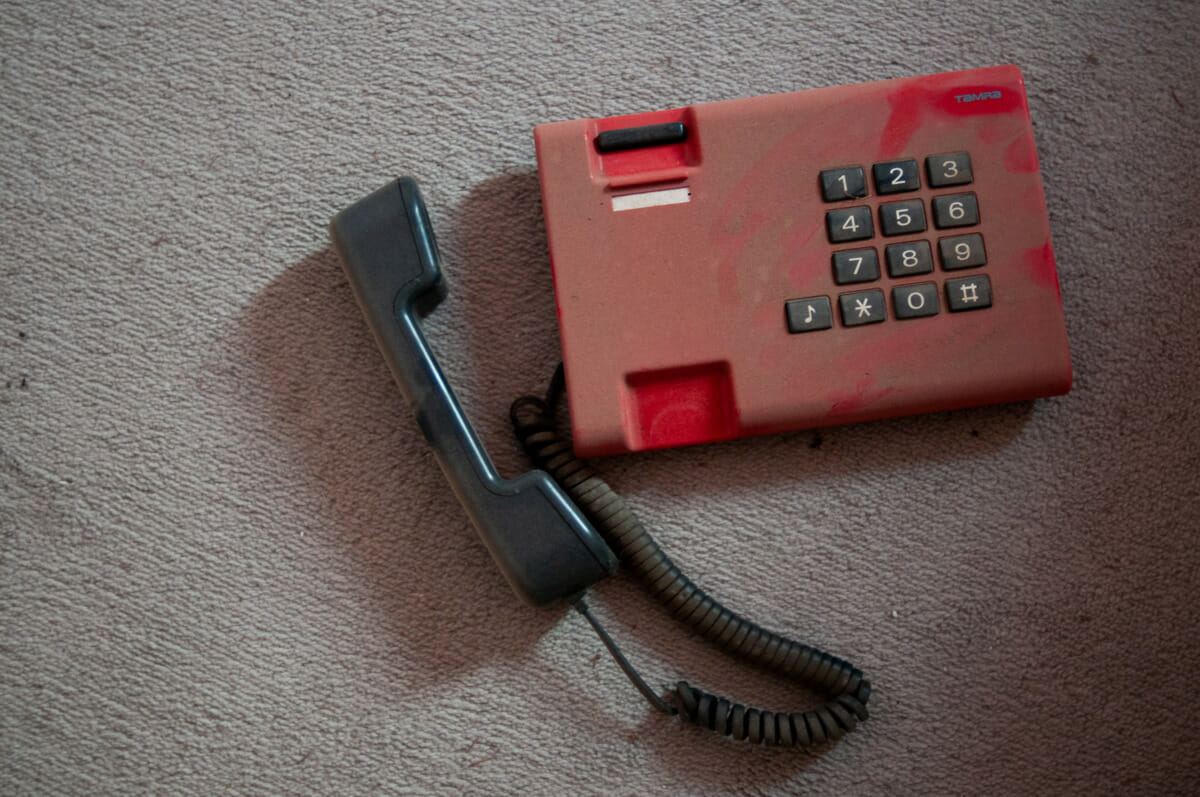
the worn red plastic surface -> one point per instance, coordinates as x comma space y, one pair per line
672, 317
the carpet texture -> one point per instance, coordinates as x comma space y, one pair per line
230, 565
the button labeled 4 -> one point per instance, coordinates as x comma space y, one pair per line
849, 224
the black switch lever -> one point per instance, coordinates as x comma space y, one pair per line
644, 136
546, 549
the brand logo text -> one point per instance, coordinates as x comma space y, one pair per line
983, 95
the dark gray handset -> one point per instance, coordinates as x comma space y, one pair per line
546, 549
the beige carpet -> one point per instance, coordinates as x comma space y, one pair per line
228, 563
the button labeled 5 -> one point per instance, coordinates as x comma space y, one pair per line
955, 210
902, 218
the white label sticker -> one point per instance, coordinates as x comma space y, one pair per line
652, 199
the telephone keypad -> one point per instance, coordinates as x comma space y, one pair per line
905, 259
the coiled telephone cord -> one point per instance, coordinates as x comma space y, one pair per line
533, 421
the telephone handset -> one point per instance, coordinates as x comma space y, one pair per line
544, 547
547, 530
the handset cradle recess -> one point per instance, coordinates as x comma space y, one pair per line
545, 548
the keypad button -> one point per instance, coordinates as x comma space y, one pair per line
845, 183
962, 251
855, 265
955, 210
902, 218
953, 168
895, 177
904, 260
849, 224
968, 293
808, 315
915, 301
864, 307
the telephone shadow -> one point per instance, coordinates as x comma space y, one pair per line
382, 494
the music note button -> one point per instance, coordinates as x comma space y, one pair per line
808, 315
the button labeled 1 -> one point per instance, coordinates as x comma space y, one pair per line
846, 183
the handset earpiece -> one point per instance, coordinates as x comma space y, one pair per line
544, 547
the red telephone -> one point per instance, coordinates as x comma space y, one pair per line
801, 260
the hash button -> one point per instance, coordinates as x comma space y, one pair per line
968, 293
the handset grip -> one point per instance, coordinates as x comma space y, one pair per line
546, 549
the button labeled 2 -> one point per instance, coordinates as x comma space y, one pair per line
896, 176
